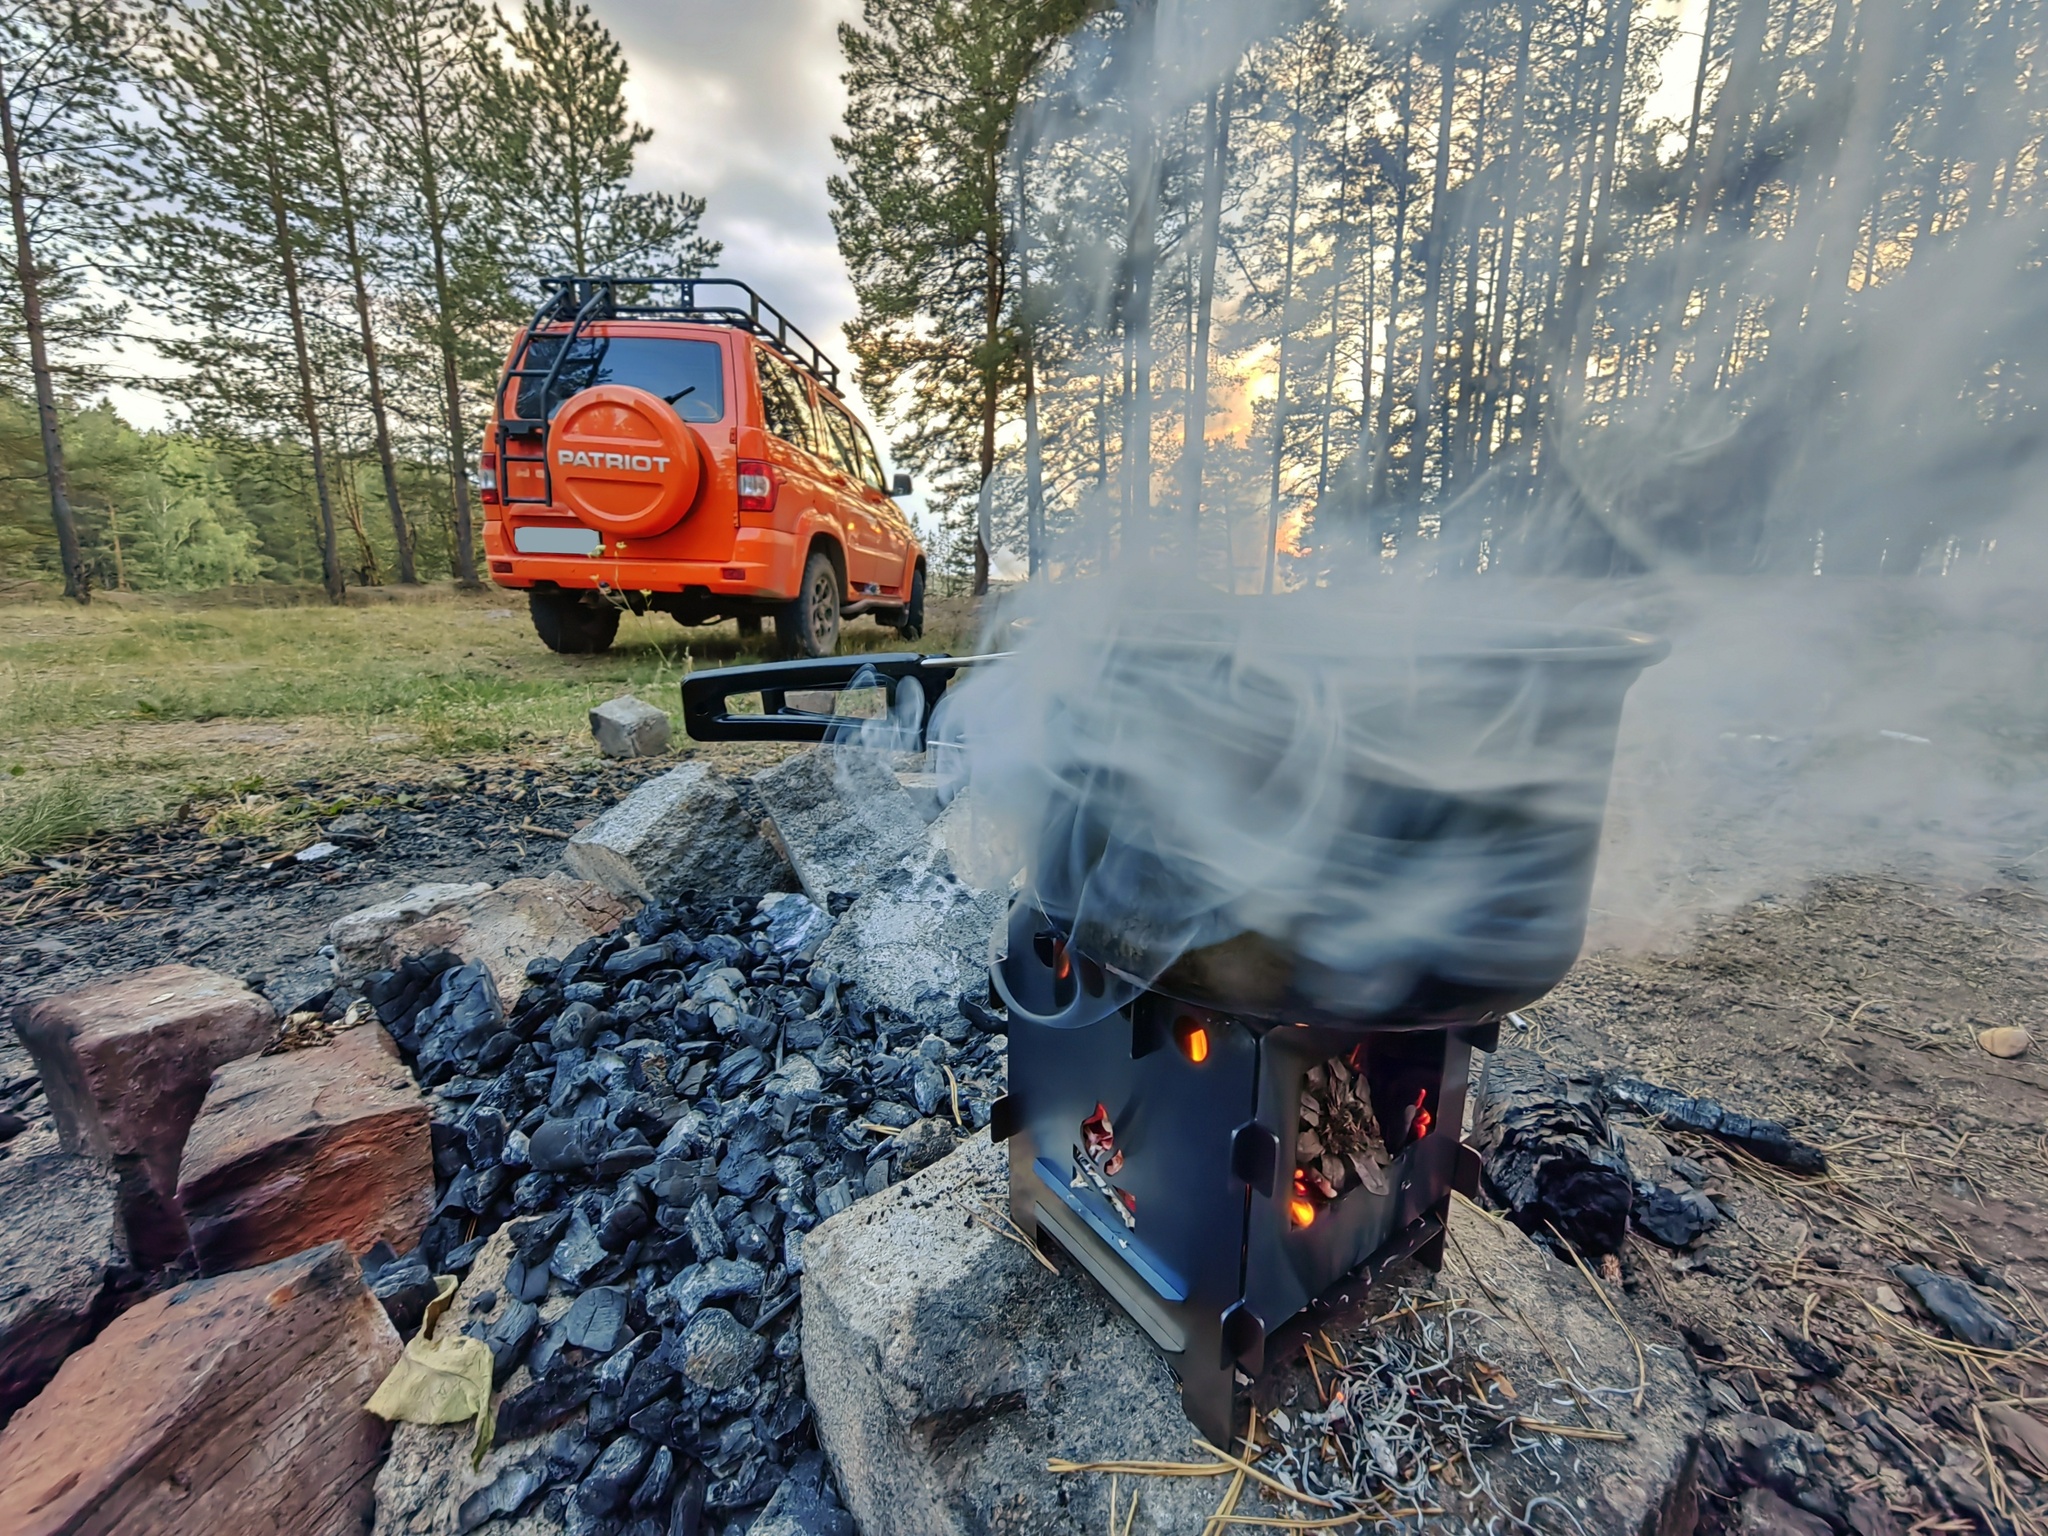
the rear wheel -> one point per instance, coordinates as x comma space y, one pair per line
913, 612
569, 625
808, 625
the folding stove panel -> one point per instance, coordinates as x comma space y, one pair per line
1158, 1146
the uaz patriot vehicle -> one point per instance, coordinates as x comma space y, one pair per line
676, 445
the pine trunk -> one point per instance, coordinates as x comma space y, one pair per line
1383, 429
288, 266
372, 366
1195, 432
444, 336
991, 375
77, 584
1286, 335
1433, 274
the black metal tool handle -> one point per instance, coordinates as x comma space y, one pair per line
706, 717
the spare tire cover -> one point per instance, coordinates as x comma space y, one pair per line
623, 461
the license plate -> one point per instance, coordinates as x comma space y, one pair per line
556, 541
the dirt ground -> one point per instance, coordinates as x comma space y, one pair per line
1849, 1012
1852, 1014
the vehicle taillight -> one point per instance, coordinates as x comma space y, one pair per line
487, 479
758, 486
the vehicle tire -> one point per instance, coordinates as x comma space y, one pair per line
568, 625
749, 626
808, 625
913, 612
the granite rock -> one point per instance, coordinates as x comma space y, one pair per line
61, 1265
945, 1366
839, 817
503, 928
363, 939
629, 727
684, 831
915, 940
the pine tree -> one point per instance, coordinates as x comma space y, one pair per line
229, 242
445, 197
61, 70
342, 40
922, 207
568, 144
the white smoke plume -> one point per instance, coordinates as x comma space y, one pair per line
1797, 429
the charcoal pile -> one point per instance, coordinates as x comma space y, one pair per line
661, 1116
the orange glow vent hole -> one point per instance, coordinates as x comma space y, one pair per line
1303, 1211
1192, 1039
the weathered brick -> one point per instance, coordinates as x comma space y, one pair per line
126, 1065
309, 1147
230, 1404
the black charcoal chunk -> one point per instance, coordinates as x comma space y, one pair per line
546, 1403
614, 1475
1961, 1310
716, 1350
1674, 1218
597, 1319
506, 1495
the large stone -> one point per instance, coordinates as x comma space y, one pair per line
501, 929
685, 831
316, 1146
917, 938
627, 727
126, 1064
230, 1404
945, 1367
362, 939
839, 817
61, 1261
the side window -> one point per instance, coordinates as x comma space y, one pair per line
785, 403
840, 428
871, 465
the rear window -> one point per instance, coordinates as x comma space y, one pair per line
690, 375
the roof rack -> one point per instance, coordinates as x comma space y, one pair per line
571, 297
577, 300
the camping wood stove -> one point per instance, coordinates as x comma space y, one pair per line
1269, 1125
1220, 1175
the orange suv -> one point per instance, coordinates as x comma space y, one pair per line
676, 445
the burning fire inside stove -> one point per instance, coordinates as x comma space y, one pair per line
1097, 1161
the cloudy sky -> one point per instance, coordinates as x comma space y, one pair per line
743, 97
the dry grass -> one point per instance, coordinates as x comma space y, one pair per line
135, 705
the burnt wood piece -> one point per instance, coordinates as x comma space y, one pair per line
1766, 1139
1547, 1158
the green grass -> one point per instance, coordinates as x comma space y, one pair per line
38, 815
131, 706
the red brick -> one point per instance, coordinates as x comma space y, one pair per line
226, 1405
126, 1065
315, 1146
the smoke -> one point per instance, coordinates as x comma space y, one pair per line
1776, 397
